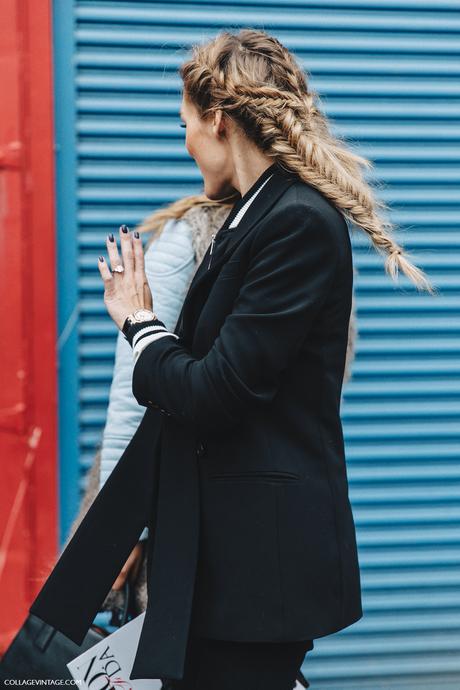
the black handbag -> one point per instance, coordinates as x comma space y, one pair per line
39, 651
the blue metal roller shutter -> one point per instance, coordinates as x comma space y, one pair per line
388, 75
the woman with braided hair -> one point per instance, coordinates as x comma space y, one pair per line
238, 465
255, 81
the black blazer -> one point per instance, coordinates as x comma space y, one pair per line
238, 465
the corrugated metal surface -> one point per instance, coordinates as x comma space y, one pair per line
388, 73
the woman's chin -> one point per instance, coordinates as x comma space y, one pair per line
221, 194
212, 193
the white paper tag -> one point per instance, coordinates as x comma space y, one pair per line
108, 663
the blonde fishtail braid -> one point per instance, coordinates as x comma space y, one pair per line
255, 80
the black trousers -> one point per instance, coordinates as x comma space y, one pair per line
228, 665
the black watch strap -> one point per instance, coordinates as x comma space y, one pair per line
148, 327
128, 323
126, 326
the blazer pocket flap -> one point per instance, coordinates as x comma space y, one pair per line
256, 475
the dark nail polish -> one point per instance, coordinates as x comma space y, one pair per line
101, 258
124, 228
136, 234
111, 237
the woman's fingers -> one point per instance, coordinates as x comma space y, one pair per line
139, 262
127, 290
112, 250
127, 252
133, 288
140, 279
129, 282
106, 276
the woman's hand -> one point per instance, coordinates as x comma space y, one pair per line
127, 291
131, 567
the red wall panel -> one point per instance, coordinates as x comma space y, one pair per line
28, 389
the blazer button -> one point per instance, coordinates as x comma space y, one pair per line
200, 449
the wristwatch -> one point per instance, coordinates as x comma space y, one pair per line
138, 316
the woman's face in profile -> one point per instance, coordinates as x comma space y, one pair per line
207, 142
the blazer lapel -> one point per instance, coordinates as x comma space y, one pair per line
204, 276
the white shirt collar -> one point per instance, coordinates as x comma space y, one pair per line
244, 208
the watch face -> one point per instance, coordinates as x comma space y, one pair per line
143, 315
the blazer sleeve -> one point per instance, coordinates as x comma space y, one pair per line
289, 276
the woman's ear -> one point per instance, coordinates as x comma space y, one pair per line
219, 124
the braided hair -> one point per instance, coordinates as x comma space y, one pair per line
256, 81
